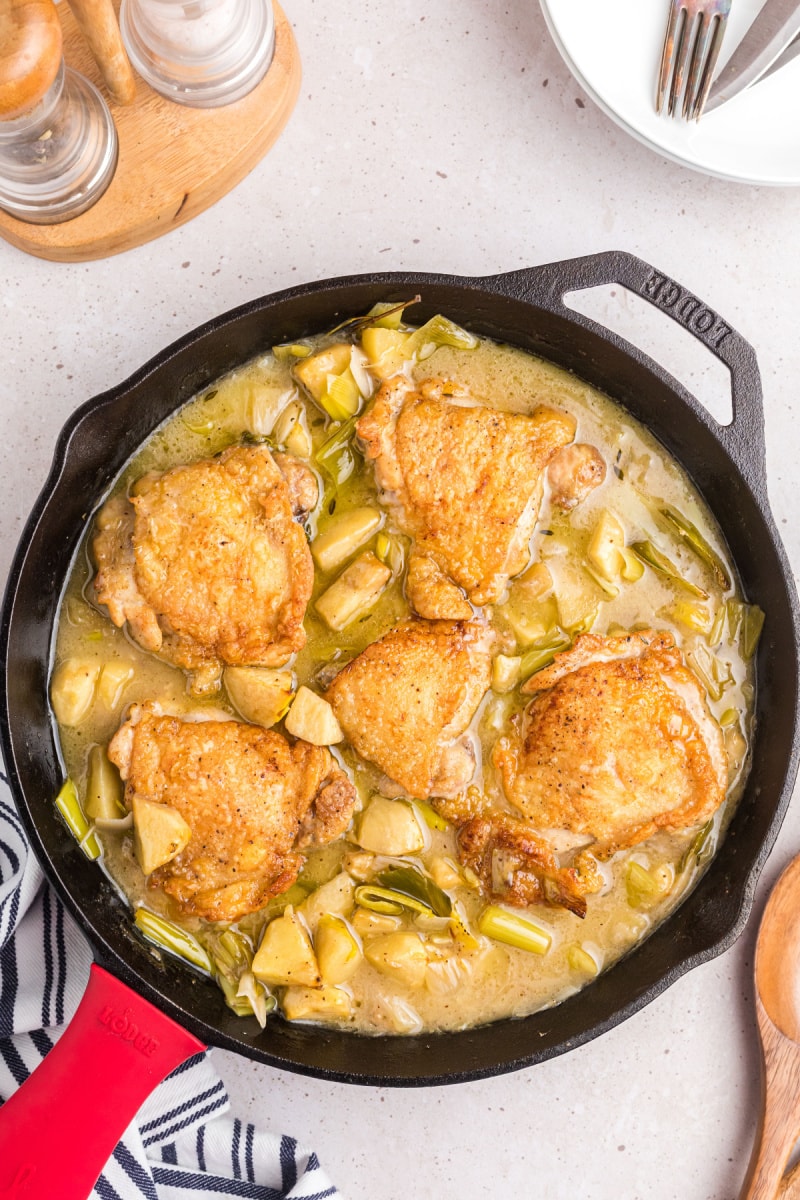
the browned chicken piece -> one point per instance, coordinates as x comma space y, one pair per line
405, 702
253, 801
617, 743
431, 594
206, 562
519, 866
573, 473
466, 480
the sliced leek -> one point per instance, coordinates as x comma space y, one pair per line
172, 938
653, 557
337, 457
504, 926
69, 806
691, 537
542, 653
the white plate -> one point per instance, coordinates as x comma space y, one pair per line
613, 48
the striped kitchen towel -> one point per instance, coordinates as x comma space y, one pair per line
183, 1142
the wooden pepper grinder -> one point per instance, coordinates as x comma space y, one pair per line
58, 144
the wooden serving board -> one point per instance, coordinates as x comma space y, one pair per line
174, 161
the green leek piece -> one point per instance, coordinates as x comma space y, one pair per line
290, 351
700, 849
729, 717
752, 623
611, 590
504, 926
693, 538
714, 673
653, 557
69, 806
542, 653
691, 613
231, 953
641, 886
402, 889
341, 398
432, 818
336, 457
411, 883
439, 331
717, 630
581, 961
171, 937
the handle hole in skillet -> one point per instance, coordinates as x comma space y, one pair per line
676, 350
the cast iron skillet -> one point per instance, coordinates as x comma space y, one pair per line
727, 463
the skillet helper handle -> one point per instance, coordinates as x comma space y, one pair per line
98, 23
744, 437
60, 1127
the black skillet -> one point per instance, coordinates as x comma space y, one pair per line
526, 308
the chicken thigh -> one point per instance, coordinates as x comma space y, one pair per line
206, 562
405, 702
252, 800
616, 744
466, 481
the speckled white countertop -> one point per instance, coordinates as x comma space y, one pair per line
450, 137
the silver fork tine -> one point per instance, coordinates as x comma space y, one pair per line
692, 44
668, 53
711, 49
684, 52
697, 61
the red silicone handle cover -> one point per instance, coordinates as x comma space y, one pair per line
60, 1127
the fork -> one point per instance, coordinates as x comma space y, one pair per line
691, 47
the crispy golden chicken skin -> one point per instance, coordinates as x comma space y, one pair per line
466, 480
206, 561
252, 799
616, 744
519, 866
405, 702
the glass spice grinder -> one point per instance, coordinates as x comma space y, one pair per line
58, 144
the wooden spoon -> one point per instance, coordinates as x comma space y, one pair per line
97, 21
777, 978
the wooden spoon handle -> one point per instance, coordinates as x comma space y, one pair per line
98, 23
780, 1116
30, 54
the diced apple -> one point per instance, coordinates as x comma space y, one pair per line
338, 951
286, 955
356, 590
316, 1004
386, 349
259, 694
73, 689
605, 550
312, 719
399, 955
342, 537
313, 371
103, 788
114, 678
160, 833
390, 827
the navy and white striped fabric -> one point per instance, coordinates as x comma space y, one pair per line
183, 1142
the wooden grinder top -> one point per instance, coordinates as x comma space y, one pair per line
30, 54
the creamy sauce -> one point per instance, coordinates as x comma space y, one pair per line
488, 980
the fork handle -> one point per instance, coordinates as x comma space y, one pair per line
547, 286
